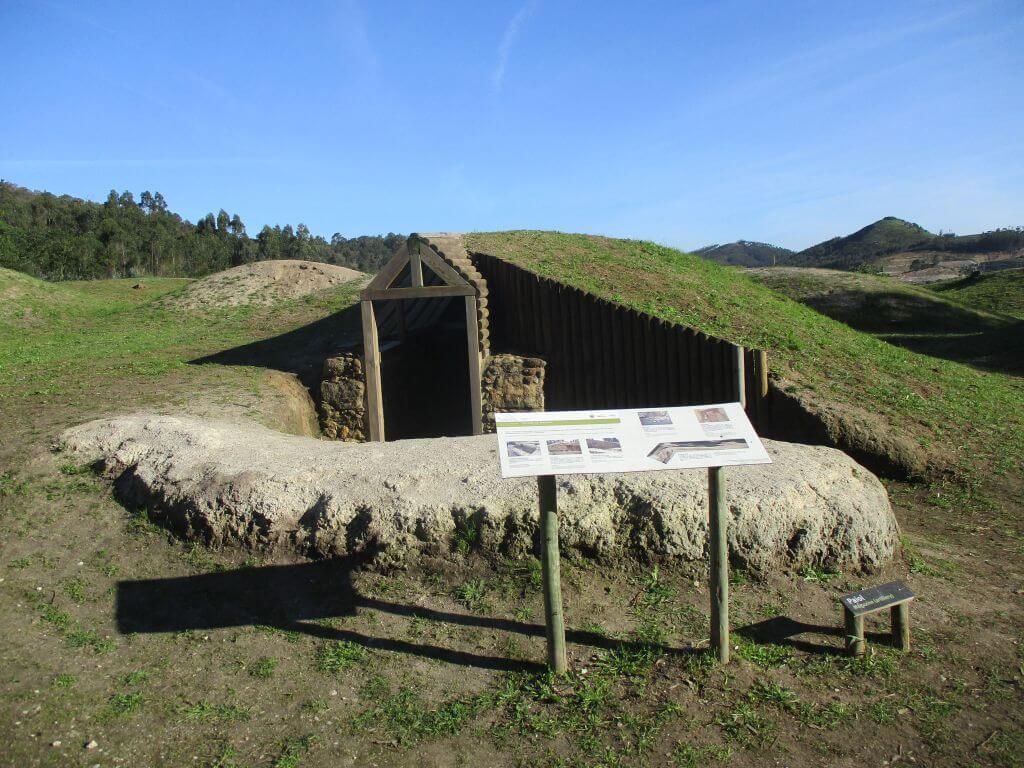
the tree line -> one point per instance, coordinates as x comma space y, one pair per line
64, 238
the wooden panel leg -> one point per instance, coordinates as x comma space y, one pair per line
551, 573
855, 644
719, 564
900, 615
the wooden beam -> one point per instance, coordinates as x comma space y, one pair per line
416, 269
900, 616
550, 573
390, 271
371, 367
423, 292
473, 348
739, 370
441, 268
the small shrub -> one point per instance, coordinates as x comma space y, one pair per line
263, 668
339, 656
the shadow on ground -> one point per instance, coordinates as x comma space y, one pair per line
930, 327
301, 351
299, 598
782, 630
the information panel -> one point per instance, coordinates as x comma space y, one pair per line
629, 440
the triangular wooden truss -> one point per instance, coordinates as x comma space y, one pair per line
416, 255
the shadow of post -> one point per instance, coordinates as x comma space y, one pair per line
298, 598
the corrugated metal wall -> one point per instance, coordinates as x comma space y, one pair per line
601, 355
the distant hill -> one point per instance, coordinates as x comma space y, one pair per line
745, 253
885, 236
902, 248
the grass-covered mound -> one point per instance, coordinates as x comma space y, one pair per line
997, 292
877, 303
966, 419
908, 315
74, 350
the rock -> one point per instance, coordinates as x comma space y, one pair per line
91, 744
342, 406
246, 485
343, 394
510, 383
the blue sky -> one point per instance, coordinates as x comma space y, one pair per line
684, 123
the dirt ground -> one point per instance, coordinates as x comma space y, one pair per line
126, 647
261, 283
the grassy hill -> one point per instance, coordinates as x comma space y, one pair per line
926, 409
896, 246
744, 253
997, 292
901, 313
886, 235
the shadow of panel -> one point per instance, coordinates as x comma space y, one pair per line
782, 630
277, 595
298, 598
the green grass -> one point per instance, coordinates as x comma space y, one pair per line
204, 711
122, 704
966, 419
1001, 292
263, 668
103, 330
340, 655
407, 718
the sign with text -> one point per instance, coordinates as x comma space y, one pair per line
877, 598
626, 440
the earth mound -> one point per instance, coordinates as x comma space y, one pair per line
390, 503
262, 283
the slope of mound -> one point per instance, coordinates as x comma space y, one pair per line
998, 292
915, 409
261, 283
876, 303
27, 301
744, 253
905, 314
863, 246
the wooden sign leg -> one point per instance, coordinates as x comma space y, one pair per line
855, 643
719, 564
550, 567
900, 615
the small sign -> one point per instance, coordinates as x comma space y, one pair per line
877, 598
626, 440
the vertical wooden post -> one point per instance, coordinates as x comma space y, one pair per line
900, 616
855, 644
473, 348
371, 367
740, 372
416, 268
547, 491
718, 523
762, 372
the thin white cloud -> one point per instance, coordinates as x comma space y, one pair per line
507, 40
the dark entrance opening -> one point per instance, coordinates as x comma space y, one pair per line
425, 377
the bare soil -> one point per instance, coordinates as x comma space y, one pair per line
261, 283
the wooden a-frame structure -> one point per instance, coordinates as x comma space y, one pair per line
402, 278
